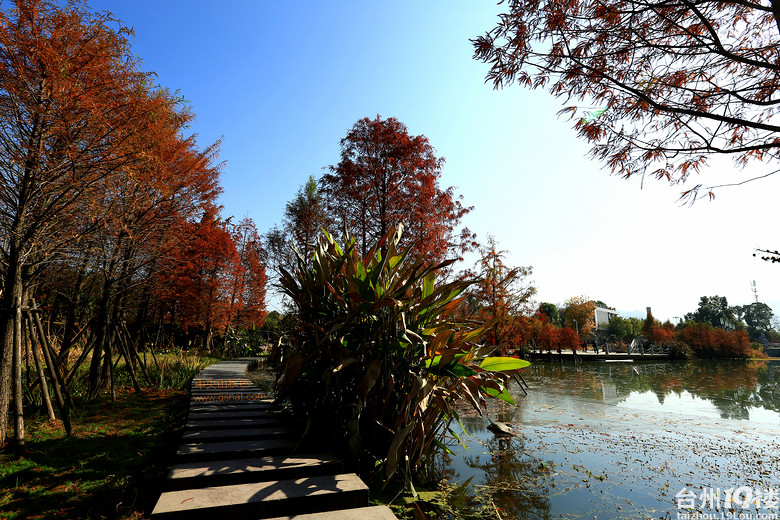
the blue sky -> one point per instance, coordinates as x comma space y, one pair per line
281, 83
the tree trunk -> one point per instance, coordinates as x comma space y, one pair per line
12, 292
39, 370
69, 336
98, 369
60, 392
18, 396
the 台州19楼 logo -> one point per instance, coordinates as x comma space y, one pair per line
746, 503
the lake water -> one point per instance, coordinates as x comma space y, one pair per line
629, 441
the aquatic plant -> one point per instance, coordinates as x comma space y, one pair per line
378, 357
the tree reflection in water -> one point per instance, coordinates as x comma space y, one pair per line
637, 464
509, 481
733, 387
516, 482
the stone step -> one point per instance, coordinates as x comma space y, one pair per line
230, 397
264, 499
209, 451
194, 393
234, 434
360, 513
229, 407
249, 390
241, 471
245, 422
231, 414
221, 382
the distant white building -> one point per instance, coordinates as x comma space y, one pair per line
602, 317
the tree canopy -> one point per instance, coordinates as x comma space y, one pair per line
385, 176
667, 84
757, 315
578, 313
501, 295
102, 200
714, 310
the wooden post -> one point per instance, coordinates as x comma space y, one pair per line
26, 357
124, 347
109, 353
134, 352
39, 368
17, 379
53, 373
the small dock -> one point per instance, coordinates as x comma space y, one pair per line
592, 356
239, 460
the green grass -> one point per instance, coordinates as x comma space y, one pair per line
115, 462
111, 467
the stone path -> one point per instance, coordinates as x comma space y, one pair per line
237, 459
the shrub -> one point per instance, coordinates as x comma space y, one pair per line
678, 350
378, 359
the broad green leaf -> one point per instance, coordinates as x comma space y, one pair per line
500, 364
504, 395
460, 370
443, 446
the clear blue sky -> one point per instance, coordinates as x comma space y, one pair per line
281, 83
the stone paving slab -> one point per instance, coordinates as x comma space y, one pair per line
205, 382
360, 513
235, 461
225, 391
231, 414
241, 471
262, 395
257, 403
245, 422
265, 499
205, 451
230, 397
243, 406
234, 434
216, 400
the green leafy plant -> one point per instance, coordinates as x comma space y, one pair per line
378, 358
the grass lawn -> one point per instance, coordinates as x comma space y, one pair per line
112, 466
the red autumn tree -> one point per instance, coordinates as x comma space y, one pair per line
672, 82
549, 337
170, 181
215, 280
198, 286
71, 99
247, 297
707, 341
386, 176
568, 338
579, 313
663, 333
501, 295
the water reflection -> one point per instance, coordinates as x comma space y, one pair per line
618, 440
737, 390
506, 478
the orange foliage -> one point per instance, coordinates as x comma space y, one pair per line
710, 342
387, 176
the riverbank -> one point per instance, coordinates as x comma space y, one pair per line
621, 441
593, 356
